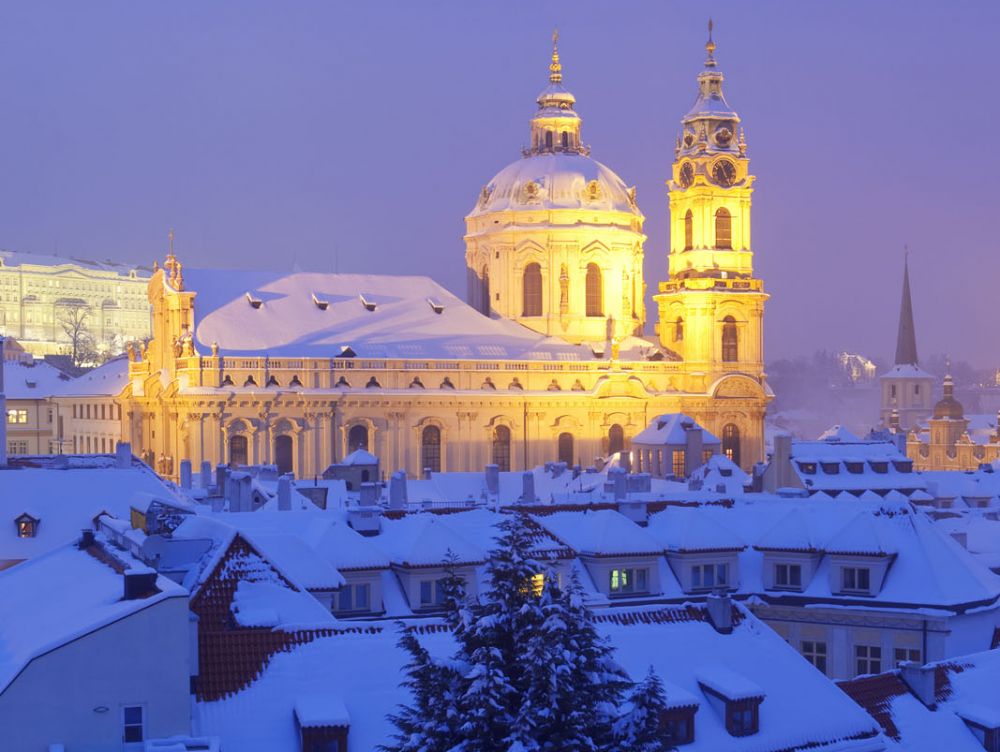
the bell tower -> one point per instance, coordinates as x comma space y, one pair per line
711, 308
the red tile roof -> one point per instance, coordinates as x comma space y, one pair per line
875, 694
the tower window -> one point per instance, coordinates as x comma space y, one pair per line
565, 139
532, 288
595, 303
679, 330
731, 442
501, 448
430, 449
566, 448
730, 341
723, 229
688, 231
548, 139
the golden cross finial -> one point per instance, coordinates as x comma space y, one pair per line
710, 46
170, 243
555, 67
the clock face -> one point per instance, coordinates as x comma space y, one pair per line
724, 173
686, 175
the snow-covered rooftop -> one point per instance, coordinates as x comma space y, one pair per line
669, 429
34, 380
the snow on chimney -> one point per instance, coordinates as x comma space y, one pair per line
186, 474
285, 493
397, 490
123, 455
720, 611
694, 444
528, 488
3, 413
920, 680
206, 474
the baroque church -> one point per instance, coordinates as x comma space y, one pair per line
545, 360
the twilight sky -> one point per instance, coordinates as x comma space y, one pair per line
355, 137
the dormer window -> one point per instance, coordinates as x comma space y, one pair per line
709, 576
831, 468
856, 580
27, 526
628, 581
880, 467
734, 698
743, 717
809, 468
677, 725
903, 466
788, 576
855, 467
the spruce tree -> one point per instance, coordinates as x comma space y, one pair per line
639, 728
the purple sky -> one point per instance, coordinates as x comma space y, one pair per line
355, 136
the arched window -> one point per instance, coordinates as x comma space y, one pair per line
357, 438
679, 330
731, 442
484, 292
238, 450
430, 449
283, 454
723, 229
730, 341
532, 288
595, 295
566, 448
616, 439
501, 448
565, 139
548, 139
688, 231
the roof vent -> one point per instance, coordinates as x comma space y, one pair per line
437, 307
369, 305
254, 302
321, 304
139, 584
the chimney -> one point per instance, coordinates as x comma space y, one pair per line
427, 473
186, 474
3, 413
285, 493
576, 471
493, 479
139, 584
86, 539
625, 461
636, 511
619, 482
694, 440
246, 493
123, 455
920, 680
528, 488
781, 462
720, 611
397, 490
218, 503
369, 494
206, 474
221, 471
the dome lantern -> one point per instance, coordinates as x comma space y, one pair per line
555, 127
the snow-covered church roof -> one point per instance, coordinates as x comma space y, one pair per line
307, 314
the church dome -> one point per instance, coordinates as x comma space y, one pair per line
558, 180
948, 407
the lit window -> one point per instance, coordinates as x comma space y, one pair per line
788, 576
856, 579
815, 652
730, 340
17, 416
132, 724
723, 229
678, 463
625, 581
27, 526
537, 583
868, 659
595, 294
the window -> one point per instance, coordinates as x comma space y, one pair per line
17, 416
892, 391
616, 439
788, 576
501, 448
742, 718
132, 731
17, 446
565, 139
548, 139
484, 292
357, 438
566, 448
354, 597
902, 655
815, 652
731, 442
723, 230
430, 449
27, 526
678, 463
679, 330
624, 581
708, 576
432, 592
856, 579
595, 294
238, 450
868, 659
688, 231
730, 341
532, 290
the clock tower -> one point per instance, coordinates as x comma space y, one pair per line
711, 308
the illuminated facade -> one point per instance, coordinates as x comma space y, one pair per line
301, 369
946, 442
36, 291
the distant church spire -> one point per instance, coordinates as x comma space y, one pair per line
906, 339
